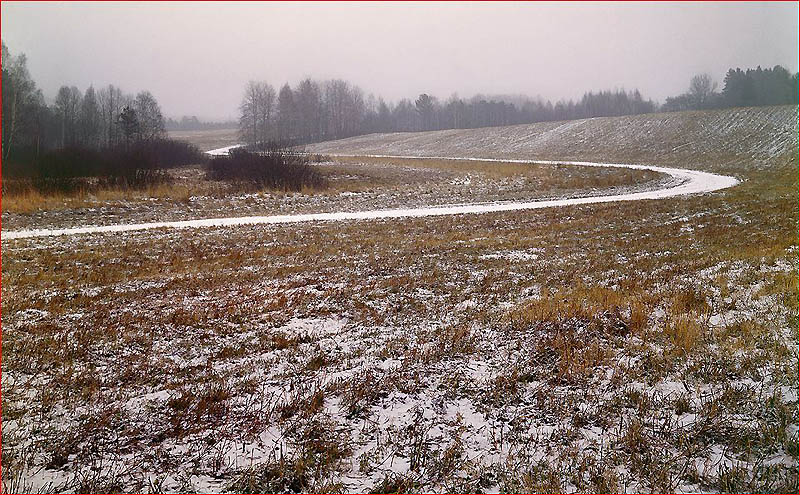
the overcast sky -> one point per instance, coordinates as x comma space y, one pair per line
196, 57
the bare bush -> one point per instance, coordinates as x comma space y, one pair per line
276, 168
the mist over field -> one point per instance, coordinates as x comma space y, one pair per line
400, 247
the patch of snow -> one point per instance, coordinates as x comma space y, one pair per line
223, 151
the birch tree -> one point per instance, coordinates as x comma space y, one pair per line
19, 98
266, 111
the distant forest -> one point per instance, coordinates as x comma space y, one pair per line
192, 123
317, 111
748, 88
321, 110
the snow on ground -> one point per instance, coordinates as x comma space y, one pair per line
688, 182
224, 151
748, 135
469, 354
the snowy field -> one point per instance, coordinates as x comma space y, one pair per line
704, 140
634, 346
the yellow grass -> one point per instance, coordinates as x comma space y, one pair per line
32, 201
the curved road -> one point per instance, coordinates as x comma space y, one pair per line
688, 182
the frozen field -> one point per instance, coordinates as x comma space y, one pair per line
646, 345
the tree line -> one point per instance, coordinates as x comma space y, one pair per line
90, 119
741, 88
322, 110
192, 123
85, 140
334, 109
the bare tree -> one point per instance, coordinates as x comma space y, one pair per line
344, 108
336, 95
266, 111
249, 111
68, 103
19, 94
355, 107
701, 90
308, 105
148, 113
257, 113
89, 120
405, 116
111, 102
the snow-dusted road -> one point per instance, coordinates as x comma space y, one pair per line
686, 182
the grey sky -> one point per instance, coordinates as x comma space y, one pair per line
197, 57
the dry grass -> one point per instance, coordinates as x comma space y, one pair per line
207, 140
32, 201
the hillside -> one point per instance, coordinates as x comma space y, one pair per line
711, 139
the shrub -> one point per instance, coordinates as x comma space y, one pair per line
276, 168
169, 153
72, 169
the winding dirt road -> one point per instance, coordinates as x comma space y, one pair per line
685, 182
